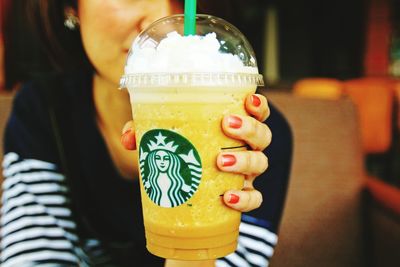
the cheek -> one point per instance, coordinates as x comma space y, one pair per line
101, 33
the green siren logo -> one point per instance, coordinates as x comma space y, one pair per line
170, 167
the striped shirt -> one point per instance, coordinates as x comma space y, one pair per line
37, 223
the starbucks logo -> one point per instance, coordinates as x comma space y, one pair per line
170, 167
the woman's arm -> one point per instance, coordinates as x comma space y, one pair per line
36, 222
37, 226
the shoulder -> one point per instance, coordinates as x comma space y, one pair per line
29, 128
28, 102
68, 85
273, 183
29, 107
280, 150
33, 99
280, 127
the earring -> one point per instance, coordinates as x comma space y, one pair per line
71, 20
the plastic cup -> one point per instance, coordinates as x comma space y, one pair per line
177, 116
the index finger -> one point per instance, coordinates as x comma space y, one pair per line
257, 106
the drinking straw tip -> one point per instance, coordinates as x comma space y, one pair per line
190, 17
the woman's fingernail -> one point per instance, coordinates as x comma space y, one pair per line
228, 160
234, 122
255, 100
127, 128
128, 140
233, 199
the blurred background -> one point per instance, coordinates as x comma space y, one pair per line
324, 49
333, 69
331, 49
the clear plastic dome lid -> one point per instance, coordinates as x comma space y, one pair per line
218, 54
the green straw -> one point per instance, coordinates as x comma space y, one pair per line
190, 18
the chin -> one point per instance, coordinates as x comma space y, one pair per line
107, 79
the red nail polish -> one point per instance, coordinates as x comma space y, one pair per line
255, 100
233, 199
228, 160
127, 131
128, 140
234, 122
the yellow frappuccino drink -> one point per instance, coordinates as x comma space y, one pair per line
177, 109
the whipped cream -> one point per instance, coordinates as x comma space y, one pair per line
182, 54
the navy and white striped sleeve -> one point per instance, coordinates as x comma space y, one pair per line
37, 228
36, 222
255, 247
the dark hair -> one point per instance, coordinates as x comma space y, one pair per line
62, 46
36, 41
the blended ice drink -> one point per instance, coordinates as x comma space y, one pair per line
180, 88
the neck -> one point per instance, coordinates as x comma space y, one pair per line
112, 105
113, 110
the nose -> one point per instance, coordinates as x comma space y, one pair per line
140, 21
144, 22
154, 10
146, 12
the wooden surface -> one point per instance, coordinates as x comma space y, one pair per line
322, 222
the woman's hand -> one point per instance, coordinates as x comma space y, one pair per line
251, 163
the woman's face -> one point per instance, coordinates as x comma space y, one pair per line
108, 28
162, 160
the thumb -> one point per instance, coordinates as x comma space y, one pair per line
128, 139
